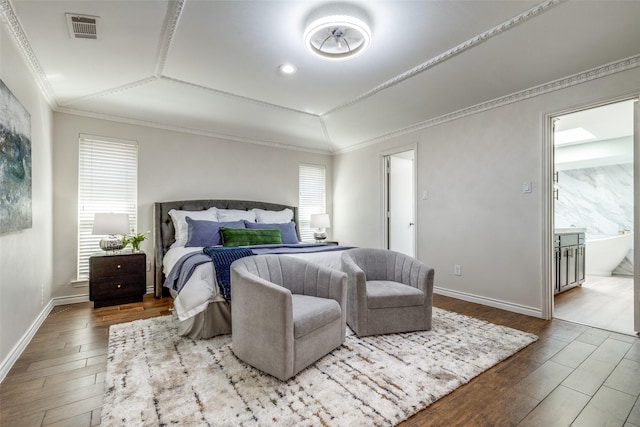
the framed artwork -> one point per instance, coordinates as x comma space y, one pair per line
15, 163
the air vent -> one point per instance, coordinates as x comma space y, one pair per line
82, 26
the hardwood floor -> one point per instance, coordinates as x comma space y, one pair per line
574, 375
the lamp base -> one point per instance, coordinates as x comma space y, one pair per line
111, 243
319, 236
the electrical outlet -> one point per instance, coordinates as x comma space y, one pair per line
456, 270
148, 265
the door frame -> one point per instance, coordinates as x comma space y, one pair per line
548, 166
385, 192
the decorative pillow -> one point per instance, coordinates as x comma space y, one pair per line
207, 233
180, 224
235, 215
273, 217
287, 231
246, 237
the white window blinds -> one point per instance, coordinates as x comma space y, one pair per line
312, 197
107, 182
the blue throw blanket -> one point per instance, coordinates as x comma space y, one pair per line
222, 259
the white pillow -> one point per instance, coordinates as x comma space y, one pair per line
228, 215
181, 226
273, 217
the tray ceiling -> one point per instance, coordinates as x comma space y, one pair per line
211, 67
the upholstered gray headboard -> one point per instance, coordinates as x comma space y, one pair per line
163, 225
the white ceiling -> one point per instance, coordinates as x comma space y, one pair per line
210, 67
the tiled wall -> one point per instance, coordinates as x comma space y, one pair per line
599, 199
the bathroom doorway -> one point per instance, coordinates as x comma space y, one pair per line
594, 217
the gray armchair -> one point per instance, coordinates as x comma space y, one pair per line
286, 312
388, 292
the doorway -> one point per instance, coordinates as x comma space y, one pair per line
594, 187
400, 225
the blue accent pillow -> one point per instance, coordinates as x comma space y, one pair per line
207, 233
287, 230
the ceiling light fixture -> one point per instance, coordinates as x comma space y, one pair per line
337, 37
287, 69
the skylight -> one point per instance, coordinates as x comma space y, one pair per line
571, 136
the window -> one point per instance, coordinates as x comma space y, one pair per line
312, 197
107, 182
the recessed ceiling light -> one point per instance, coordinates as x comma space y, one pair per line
571, 136
287, 69
337, 37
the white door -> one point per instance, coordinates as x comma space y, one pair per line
401, 202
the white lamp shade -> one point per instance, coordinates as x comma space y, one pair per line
110, 224
320, 221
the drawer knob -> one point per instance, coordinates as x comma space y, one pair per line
119, 266
119, 286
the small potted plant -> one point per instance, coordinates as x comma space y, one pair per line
135, 239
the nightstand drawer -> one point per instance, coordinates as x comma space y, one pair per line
104, 288
116, 265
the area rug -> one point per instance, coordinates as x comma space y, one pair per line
156, 378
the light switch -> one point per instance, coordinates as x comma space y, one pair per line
526, 187
425, 195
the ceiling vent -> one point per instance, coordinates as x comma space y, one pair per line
82, 26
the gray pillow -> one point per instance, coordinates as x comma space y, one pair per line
207, 233
287, 230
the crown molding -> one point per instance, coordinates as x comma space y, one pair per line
555, 85
169, 30
469, 44
12, 22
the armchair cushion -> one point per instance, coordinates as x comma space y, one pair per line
311, 313
389, 294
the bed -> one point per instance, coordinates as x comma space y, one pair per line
199, 310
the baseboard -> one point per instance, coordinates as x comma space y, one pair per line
17, 350
503, 305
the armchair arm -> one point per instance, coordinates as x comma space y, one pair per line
356, 291
262, 322
415, 273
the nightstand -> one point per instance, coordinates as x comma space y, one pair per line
117, 279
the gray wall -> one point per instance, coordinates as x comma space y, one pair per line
476, 215
26, 255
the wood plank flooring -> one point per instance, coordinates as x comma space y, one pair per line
603, 302
574, 375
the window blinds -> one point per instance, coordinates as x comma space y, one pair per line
312, 197
107, 182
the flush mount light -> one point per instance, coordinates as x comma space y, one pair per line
337, 37
287, 69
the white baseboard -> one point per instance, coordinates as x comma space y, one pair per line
503, 305
17, 350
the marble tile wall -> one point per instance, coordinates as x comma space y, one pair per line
599, 199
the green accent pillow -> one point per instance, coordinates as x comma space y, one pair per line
248, 237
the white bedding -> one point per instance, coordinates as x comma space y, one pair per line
202, 288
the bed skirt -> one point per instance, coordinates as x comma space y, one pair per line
215, 320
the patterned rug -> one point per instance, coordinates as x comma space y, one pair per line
155, 377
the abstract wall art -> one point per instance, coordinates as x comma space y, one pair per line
15, 163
